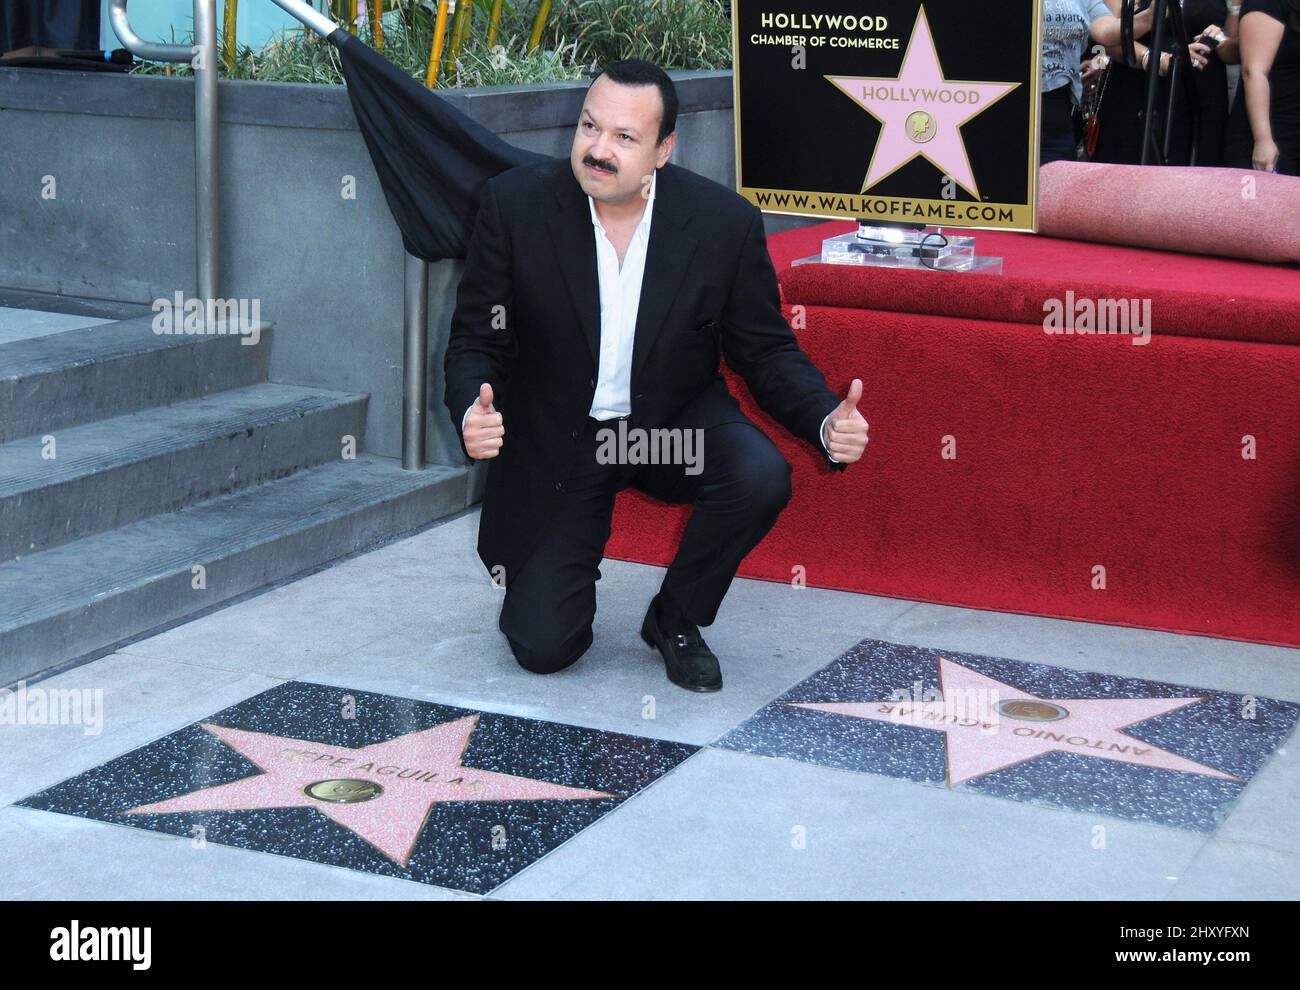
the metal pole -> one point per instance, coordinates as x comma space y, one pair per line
132, 42
310, 16
415, 360
1153, 78
207, 219
1175, 77
207, 150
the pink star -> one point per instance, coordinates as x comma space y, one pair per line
937, 107
415, 771
990, 725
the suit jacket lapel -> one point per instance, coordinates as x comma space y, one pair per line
668, 257
575, 249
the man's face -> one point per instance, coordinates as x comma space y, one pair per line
614, 146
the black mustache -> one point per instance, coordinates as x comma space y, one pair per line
607, 166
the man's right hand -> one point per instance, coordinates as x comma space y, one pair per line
483, 431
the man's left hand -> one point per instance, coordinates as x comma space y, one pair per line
845, 432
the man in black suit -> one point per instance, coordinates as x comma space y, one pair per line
597, 296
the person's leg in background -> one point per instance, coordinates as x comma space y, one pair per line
1057, 138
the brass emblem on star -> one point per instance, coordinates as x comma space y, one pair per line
920, 126
343, 790
1031, 710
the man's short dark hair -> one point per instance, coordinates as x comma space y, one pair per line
639, 72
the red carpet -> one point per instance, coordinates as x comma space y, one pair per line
1072, 451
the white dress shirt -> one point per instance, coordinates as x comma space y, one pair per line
620, 299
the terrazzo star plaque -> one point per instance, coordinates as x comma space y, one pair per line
374, 783
1120, 746
940, 121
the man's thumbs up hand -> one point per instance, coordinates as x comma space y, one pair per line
845, 432
484, 432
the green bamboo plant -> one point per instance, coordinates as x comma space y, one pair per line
228, 34
375, 19
494, 23
460, 28
435, 49
539, 24
512, 42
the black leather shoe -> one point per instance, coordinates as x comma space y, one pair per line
687, 658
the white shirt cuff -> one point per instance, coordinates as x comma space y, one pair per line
822, 434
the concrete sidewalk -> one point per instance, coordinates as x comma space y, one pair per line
417, 620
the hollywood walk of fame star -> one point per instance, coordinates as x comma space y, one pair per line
921, 112
383, 792
982, 738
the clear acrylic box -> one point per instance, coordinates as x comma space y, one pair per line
900, 247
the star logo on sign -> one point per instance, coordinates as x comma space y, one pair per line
984, 734
383, 792
921, 112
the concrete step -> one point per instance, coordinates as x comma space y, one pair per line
26, 324
85, 598
78, 376
127, 468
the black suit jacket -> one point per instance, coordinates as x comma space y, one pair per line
527, 321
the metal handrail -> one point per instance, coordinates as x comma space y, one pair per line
309, 15
137, 45
207, 215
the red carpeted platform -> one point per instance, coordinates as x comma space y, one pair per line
1072, 452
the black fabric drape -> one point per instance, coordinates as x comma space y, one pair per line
79, 60
432, 160
52, 23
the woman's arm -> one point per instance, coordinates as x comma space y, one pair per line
1106, 29
1116, 52
1260, 37
1228, 51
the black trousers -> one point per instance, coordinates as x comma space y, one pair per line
742, 484
1058, 136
